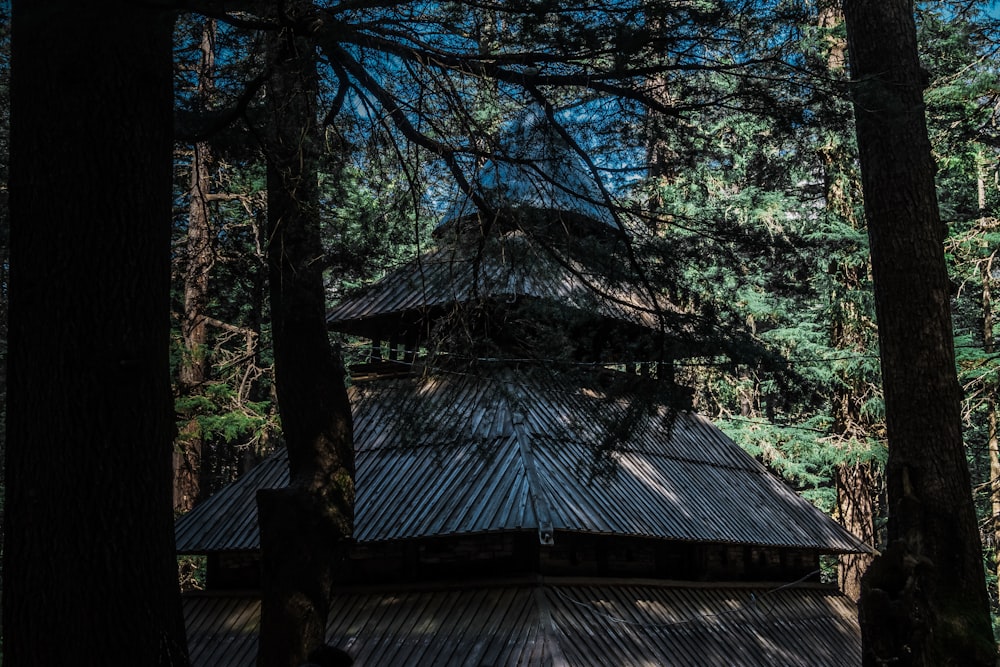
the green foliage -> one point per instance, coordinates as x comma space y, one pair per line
372, 221
792, 451
230, 427
765, 223
222, 417
192, 573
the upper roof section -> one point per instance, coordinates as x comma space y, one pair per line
508, 268
545, 236
538, 171
465, 455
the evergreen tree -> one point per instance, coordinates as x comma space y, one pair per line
924, 599
200, 255
856, 427
221, 353
770, 207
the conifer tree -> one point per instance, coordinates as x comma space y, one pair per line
924, 599
857, 474
200, 254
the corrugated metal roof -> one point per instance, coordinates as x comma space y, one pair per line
227, 521
222, 629
571, 624
509, 268
446, 455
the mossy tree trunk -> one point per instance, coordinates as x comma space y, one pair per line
303, 526
924, 600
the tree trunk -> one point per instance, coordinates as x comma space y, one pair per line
661, 154
992, 440
200, 259
924, 599
90, 573
304, 525
989, 344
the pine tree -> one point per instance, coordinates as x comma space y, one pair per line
924, 599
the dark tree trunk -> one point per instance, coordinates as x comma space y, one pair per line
90, 574
924, 599
304, 525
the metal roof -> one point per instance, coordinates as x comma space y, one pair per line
457, 454
508, 268
571, 623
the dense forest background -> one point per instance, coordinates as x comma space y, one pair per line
734, 168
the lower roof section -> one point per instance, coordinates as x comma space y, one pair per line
457, 454
562, 623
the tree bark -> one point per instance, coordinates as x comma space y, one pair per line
200, 259
924, 599
989, 344
199, 248
304, 525
992, 439
90, 570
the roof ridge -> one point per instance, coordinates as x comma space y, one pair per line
536, 491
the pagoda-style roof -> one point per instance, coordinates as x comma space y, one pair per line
578, 623
461, 454
523, 466
538, 230
509, 269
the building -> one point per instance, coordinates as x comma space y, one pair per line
527, 492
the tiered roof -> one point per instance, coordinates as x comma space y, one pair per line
464, 450
537, 171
